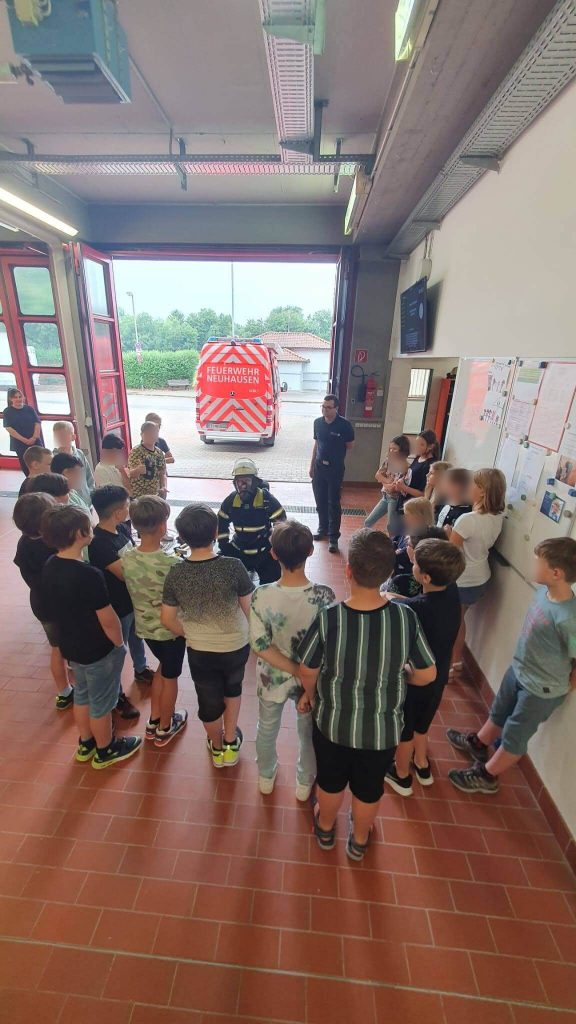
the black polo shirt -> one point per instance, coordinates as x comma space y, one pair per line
331, 439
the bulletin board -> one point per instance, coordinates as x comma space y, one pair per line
478, 410
537, 454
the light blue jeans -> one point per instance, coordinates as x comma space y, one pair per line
269, 721
135, 643
386, 507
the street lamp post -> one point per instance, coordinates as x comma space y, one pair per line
137, 345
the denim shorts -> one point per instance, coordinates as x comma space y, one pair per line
98, 685
170, 654
470, 595
519, 713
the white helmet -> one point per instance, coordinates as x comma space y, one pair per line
244, 467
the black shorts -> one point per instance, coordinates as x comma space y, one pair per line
51, 630
362, 770
420, 706
217, 675
170, 654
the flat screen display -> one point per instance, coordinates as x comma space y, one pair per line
413, 319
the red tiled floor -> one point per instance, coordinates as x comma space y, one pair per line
167, 893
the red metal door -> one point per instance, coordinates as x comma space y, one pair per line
32, 356
101, 335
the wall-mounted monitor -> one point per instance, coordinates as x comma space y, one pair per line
414, 319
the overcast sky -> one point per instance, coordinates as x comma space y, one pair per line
161, 286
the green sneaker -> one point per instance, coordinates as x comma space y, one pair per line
63, 703
232, 750
86, 750
216, 755
119, 750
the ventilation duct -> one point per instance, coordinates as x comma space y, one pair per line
547, 65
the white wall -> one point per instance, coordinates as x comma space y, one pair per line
504, 264
291, 373
317, 370
398, 393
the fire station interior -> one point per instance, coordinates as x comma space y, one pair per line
400, 141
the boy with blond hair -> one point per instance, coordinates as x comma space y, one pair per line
542, 674
64, 441
145, 569
280, 615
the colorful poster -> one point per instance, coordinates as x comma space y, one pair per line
519, 418
496, 392
528, 379
554, 403
552, 506
566, 472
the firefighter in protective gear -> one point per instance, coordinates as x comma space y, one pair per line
252, 512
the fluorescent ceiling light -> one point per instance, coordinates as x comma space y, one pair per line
17, 203
9, 227
407, 15
358, 196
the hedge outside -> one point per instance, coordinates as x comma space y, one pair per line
157, 368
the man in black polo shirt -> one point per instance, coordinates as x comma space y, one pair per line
333, 436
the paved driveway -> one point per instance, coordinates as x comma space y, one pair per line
288, 460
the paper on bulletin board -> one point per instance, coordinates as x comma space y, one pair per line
507, 459
554, 403
568, 444
528, 379
519, 418
495, 399
531, 473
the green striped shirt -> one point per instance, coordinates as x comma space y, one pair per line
361, 686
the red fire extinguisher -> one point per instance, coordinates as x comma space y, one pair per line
369, 397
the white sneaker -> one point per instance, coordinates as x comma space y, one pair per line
266, 786
303, 792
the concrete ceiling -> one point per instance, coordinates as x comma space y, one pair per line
205, 64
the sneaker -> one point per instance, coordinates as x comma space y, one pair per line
303, 792
474, 780
86, 750
232, 750
216, 754
333, 547
424, 775
320, 536
401, 786
125, 708
165, 736
145, 676
63, 703
119, 750
355, 851
326, 838
469, 744
265, 785
151, 726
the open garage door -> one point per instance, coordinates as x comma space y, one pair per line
101, 340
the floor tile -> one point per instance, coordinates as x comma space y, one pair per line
94, 1011
202, 987
19, 1007
507, 977
342, 917
559, 981
273, 997
331, 1001
248, 945
76, 971
523, 938
62, 922
461, 931
407, 1007
140, 979
535, 905
440, 969
126, 932
281, 910
475, 1011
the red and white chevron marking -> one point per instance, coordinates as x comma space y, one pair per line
240, 413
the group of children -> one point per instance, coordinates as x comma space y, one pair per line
366, 675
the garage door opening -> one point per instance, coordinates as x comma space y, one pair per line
167, 311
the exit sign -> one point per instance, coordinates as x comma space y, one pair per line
361, 355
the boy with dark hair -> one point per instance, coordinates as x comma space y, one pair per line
64, 441
105, 551
31, 556
456, 485
437, 566
207, 599
53, 484
89, 635
280, 615
542, 673
149, 462
405, 584
353, 659
37, 460
145, 570
110, 470
70, 466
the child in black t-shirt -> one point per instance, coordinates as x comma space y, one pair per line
456, 486
89, 634
105, 551
31, 556
437, 566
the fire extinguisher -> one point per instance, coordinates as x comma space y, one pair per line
370, 395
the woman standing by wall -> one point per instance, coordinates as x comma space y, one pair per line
23, 424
